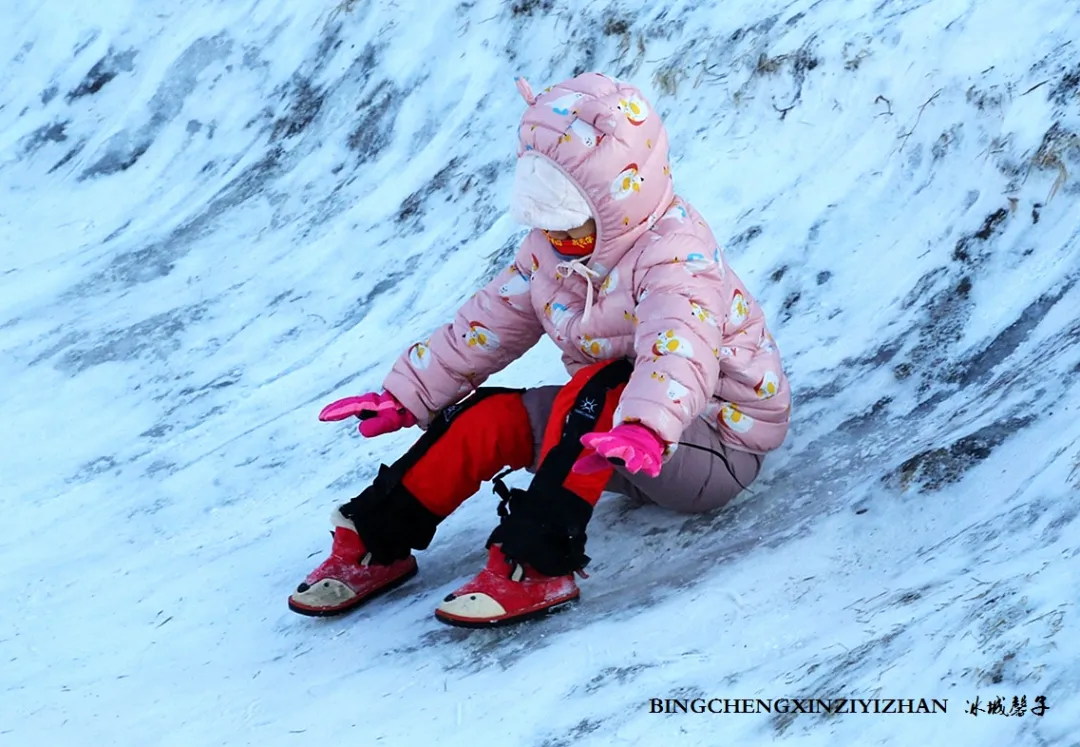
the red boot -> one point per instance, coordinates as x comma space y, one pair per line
506, 592
544, 526
347, 578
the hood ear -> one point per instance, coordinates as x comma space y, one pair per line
525, 90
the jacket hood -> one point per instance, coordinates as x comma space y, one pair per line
605, 135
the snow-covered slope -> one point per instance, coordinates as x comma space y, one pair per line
217, 216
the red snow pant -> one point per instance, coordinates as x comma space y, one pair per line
537, 429
516, 430
499, 433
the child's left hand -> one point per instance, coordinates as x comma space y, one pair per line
631, 445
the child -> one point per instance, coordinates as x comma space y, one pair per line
676, 388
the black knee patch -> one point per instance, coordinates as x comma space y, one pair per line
545, 530
390, 520
544, 526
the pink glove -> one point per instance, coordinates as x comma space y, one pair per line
629, 444
380, 413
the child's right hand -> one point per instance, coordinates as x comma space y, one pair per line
630, 445
380, 413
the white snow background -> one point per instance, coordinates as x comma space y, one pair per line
216, 217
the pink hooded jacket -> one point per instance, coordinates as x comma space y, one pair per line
656, 289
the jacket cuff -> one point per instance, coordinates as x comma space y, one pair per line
667, 428
407, 395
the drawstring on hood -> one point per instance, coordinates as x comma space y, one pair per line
575, 267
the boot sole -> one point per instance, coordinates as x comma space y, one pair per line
463, 622
354, 603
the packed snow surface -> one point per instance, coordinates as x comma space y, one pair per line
216, 217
